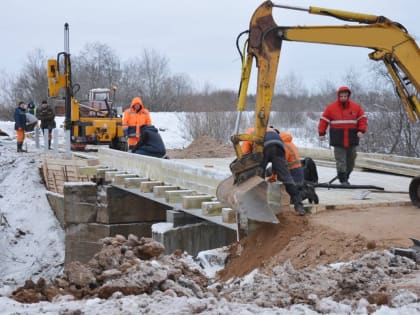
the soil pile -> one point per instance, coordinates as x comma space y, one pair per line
295, 238
203, 147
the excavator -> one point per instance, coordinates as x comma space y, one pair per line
88, 124
245, 190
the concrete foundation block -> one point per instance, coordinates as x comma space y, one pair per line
87, 171
56, 202
147, 187
82, 251
134, 182
109, 175
76, 192
180, 218
125, 207
194, 202
79, 212
100, 172
211, 208
79, 202
120, 178
195, 238
228, 215
159, 191
93, 232
175, 196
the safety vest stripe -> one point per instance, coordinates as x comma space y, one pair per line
363, 116
342, 122
327, 120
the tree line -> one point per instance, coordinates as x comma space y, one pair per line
211, 111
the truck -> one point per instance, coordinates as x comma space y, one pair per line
246, 190
96, 123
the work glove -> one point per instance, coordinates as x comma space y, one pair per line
125, 131
272, 178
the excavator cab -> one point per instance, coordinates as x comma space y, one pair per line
246, 191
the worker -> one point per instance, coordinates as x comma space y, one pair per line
47, 117
133, 118
32, 108
347, 122
150, 142
20, 125
274, 152
292, 158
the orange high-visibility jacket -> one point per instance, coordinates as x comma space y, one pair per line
292, 152
247, 146
133, 120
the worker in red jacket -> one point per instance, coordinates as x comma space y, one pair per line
347, 122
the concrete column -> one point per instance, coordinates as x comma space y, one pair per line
37, 133
45, 139
55, 139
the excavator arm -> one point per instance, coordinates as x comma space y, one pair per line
388, 40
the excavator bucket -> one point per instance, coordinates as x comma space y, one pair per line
254, 198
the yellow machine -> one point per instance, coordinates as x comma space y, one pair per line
246, 191
88, 124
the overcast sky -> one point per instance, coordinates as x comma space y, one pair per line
197, 37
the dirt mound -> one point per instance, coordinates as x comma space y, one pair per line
127, 265
203, 147
298, 239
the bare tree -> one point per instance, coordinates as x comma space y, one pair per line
30, 84
97, 66
292, 86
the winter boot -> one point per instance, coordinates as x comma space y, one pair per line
19, 147
296, 200
342, 177
299, 208
49, 144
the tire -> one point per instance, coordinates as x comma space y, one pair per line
414, 191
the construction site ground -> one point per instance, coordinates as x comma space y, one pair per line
346, 224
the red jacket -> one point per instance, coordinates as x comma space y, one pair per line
344, 121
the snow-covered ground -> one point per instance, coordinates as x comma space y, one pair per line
32, 246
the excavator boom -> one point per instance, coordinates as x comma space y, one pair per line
388, 40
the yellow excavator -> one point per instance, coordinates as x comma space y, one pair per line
246, 190
88, 124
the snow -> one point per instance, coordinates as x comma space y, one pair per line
162, 227
32, 246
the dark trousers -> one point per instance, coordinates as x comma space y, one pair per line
345, 159
276, 156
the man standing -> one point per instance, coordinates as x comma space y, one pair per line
20, 125
347, 122
47, 117
133, 119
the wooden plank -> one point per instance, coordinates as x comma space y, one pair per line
389, 166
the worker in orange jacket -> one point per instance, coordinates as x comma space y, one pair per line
274, 153
292, 158
133, 119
